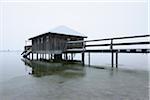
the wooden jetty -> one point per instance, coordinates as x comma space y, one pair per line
57, 44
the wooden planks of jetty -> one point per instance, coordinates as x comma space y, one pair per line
111, 44
109, 51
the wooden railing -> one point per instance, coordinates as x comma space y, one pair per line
112, 44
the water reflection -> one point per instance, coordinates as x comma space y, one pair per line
41, 68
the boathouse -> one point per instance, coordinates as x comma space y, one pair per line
55, 41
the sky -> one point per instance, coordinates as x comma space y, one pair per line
22, 20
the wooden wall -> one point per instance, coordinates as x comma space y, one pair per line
52, 43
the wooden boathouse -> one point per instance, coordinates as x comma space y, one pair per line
62, 40
54, 43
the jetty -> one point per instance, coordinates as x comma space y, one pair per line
61, 41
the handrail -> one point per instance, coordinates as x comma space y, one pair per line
111, 44
126, 37
118, 44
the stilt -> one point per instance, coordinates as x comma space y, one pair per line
71, 56
32, 55
66, 56
112, 54
83, 58
43, 56
48, 56
37, 56
51, 56
89, 58
112, 59
40, 56
116, 59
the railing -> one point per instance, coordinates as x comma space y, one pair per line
111, 44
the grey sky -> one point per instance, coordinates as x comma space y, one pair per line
20, 21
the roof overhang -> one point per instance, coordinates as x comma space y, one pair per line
62, 34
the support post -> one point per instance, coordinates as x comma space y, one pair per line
37, 57
43, 56
71, 56
112, 54
32, 55
89, 59
83, 53
83, 58
66, 56
48, 56
40, 56
51, 56
116, 59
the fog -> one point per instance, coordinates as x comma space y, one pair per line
22, 20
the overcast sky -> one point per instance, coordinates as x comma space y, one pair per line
22, 20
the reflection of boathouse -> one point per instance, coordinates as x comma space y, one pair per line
39, 69
54, 43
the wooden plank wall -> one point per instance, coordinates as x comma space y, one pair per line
51, 43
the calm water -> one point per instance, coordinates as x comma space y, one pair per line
34, 80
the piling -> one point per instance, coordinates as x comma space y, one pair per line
112, 54
89, 59
83, 58
32, 55
116, 59
37, 56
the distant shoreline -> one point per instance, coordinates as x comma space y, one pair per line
11, 50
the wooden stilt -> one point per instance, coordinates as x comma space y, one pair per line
51, 56
112, 59
40, 56
37, 57
71, 56
89, 58
112, 54
66, 56
83, 58
116, 59
48, 56
32, 55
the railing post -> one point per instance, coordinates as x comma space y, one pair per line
112, 54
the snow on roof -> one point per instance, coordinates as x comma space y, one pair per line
66, 30
62, 30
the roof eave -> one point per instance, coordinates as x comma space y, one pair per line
56, 33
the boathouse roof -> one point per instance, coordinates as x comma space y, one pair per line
62, 30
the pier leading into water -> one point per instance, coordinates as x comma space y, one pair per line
114, 52
81, 46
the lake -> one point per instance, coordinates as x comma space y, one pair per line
22, 79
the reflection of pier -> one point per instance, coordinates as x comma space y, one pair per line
40, 68
57, 45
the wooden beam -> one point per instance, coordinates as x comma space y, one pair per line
119, 44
